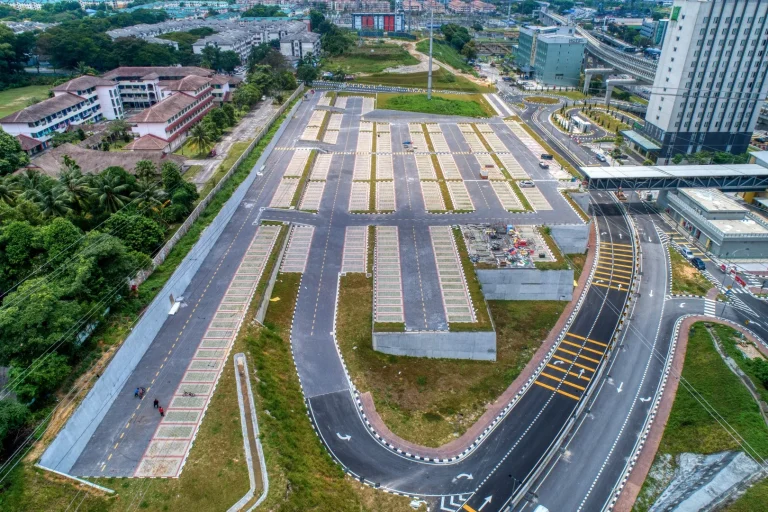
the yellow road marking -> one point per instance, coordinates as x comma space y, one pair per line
615, 270
611, 277
573, 363
563, 381
556, 390
586, 339
568, 372
581, 388
585, 348
468, 508
612, 243
612, 287
110, 457
612, 264
578, 355
621, 259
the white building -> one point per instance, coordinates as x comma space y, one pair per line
296, 46
183, 103
710, 81
82, 100
138, 85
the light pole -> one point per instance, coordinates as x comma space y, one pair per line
429, 75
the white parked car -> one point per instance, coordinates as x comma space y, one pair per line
686, 252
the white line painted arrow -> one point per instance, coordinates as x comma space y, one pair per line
468, 476
487, 501
645, 399
581, 372
651, 294
621, 386
343, 438
558, 362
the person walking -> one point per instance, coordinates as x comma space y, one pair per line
162, 413
136, 393
157, 403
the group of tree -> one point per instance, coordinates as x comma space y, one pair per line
458, 37
49, 13
14, 53
214, 58
68, 247
263, 81
263, 11
710, 157
209, 130
267, 54
185, 40
334, 41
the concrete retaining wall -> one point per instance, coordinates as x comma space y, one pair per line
571, 238
526, 284
64, 451
437, 344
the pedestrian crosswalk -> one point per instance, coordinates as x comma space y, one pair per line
710, 307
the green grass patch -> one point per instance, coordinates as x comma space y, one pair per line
571, 95
438, 172
560, 262
575, 206
754, 499
730, 342
447, 54
605, 120
237, 149
192, 172
466, 105
693, 429
370, 58
577, 262
483, 320
520, 196
544, 100
389, 326
685, 278
13, 100
431, 401
441, 79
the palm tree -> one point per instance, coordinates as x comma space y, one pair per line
118, 127
9, 189
52, 201
84, 69
110, 192
76, 188
148, 196
145, 170
199, 138
29, 183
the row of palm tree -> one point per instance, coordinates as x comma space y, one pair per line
86, 195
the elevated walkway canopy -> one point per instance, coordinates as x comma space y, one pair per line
744, 177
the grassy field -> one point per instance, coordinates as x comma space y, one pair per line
441, 79
730, 343
446, 54
302, 474
606, 120
370, 58
13, 100
431, 401
467, 105
693, 429
685, 278
571, 95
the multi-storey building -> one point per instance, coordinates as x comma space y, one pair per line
138, 85
184, 102
299, 45
82, 100
551, 55
711, 77
654, 30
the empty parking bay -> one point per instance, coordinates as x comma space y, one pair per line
313, 193
320, 167
297, 252
384, 169
355, 257
506, 195
433, 198
459, 195
362, 170
424, 166
453, 285
297, 164
360, 197
536, 198
334, 123
286, 189
512, 166
365, 142
385, 196
388, 286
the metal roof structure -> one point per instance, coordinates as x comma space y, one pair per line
725, 177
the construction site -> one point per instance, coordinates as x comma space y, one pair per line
506, 246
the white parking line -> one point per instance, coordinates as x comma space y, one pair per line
385, 196
388, 285
433, 198
286, 189
453, 285
355, 256
506, 195
384, 170
459, 195
536, 198
360, 197
424, 167
298, 161
313, 194
362, 170
321, 167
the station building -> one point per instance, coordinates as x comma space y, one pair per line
551, 55
725, 227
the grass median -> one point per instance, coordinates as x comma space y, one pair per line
685, 278
466, 105
693, 429
441, 79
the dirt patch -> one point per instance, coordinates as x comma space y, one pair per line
750, 351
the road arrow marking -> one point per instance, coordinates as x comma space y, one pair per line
581, 372
468, 476
651, 294
645, 399
682, 304
487, 501
621, 386
343, 438
558, 362
620, 237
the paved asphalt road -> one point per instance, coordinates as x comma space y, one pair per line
506, 458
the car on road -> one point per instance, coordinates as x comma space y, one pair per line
600, 157
686, 252
698, 263
546, 156
544, 165
526, 184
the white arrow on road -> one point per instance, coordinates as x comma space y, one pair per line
682, 304
651, 294
343, 438
468, 476
581, 372
621, 386
558, 362
645, 399
620, 237
487, 501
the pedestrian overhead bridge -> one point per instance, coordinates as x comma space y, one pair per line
744, 177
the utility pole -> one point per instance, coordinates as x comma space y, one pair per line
429, 75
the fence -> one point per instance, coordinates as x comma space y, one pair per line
66, 448
203, 204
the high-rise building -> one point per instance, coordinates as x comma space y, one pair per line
551, 55
711, 78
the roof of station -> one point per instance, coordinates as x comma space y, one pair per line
630, 172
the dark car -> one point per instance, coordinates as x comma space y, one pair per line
698, 263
